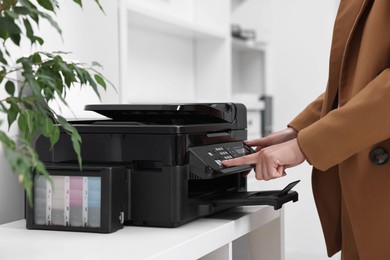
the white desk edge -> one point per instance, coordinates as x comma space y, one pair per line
190, 241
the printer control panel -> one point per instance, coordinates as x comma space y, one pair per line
206, 161
220, 153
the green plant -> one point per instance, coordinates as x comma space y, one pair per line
45, 77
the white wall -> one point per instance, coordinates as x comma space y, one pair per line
89, 35
11, 193
301, 37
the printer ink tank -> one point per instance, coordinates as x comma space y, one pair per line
91, 200
76, 188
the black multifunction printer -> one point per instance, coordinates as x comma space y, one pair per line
147, 165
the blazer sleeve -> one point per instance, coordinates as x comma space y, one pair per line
309, 115
363, 121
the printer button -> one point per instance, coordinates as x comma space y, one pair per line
210, 153
218, 162
225, 157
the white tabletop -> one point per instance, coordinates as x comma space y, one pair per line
190, 241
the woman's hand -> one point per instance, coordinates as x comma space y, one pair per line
274, 138
272, 160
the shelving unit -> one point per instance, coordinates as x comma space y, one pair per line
249, 46
249, 71
151, 19
182, 51
249, 62
164, 57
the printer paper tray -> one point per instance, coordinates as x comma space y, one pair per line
275, 198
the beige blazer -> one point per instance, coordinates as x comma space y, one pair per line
345, 132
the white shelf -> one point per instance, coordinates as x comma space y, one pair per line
164, 23
250, 46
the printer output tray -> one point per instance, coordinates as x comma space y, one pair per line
275, 198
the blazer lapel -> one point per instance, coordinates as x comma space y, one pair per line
348, 16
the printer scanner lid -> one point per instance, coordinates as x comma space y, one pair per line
188, 113
182, 117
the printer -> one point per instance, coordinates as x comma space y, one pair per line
147, 165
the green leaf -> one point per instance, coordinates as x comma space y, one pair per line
68, 127
29, 30
41, 169
50, 81
75, 137
36, 58
91, 82
50, 130
26, 63
22, 123
79, 2
69, 78
10, 88
27, 3
21, 10
51, 21
3, 72
26, 123
55, 136
100, 6
33, 84
96, 64
39, 40
29, 102
100, 81
11, 14
47, 4
16, 38
6, 140
12, 113
77, 147
63, 66
2, 59
8, 28
80, 74
46, 126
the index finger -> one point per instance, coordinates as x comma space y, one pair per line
247, 159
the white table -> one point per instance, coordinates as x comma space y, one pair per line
240, 233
